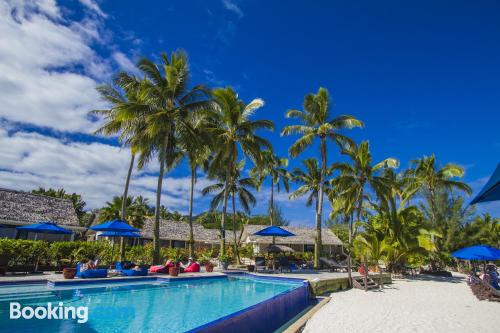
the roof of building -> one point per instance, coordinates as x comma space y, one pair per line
176, 230
302, 235
20, 207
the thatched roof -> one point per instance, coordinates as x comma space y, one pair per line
17, 207
303, 236
175, 230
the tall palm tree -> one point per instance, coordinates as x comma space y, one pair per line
431, 179
232, 130
275, 168
237, 188
355, 177
318, 124
167, 103
312, 181
198, 153
122, 97
136, 210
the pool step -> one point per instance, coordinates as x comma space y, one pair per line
26, 295
359, 283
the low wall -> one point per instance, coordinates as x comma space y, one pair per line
321, 287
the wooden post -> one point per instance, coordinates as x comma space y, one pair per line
365, 274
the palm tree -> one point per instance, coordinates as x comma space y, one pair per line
353, 179
238, 187
232, 130
312, 181
122, 97
198, 153
430, 179
136, 210
318, 124
275, 168
167, 103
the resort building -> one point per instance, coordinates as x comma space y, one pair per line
303, 241
19, 208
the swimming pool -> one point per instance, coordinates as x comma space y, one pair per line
244, 302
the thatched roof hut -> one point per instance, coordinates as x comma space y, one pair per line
21, 208
302, 236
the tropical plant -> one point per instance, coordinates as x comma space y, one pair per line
136, 210
318, 124
354, 178
232, 131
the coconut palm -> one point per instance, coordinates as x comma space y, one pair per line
136, 210
165, 108
312, 181
233, 132
275, 168
237, 188
431, 179
355, 177
318, 124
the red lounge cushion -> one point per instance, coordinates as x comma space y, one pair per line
193, 268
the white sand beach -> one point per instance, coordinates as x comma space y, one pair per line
408, 305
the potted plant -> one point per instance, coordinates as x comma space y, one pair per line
176, 259
224, 260
69, 273
205, 260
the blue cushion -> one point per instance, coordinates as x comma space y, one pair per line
133, 272
91, 273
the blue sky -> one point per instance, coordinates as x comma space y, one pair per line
423, 76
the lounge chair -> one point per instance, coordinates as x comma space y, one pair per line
193, 268
260, 262
331, 264
284, 264
120, 266
90, 273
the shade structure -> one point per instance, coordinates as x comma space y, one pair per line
125, 234
273, 248
46, 227
478, 252
490, 191
115, 226
274, 231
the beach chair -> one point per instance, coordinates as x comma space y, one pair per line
90, 273
331, 264
260, 262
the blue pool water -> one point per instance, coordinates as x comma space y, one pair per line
175, 306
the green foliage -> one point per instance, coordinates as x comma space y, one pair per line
141, 255
136, 210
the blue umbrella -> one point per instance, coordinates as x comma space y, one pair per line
115, 226
274, 231
45, 227
490, 191
478, 252
126, 234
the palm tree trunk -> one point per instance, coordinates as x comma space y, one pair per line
223, 220
156, 231
349, 259
236, 252
271, 207
124, 204
191, 194
319, 211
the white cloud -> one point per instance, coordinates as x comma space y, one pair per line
233, 7
95, 170
48, 70
93, 6
125, 63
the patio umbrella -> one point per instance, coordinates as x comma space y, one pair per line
490, 191
45, 227
478, 252
278, 248
274, 231
115, 226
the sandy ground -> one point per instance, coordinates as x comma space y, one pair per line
408, 305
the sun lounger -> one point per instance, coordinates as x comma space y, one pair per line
284, 264
331, 264
90, 273
120, 266
193, 268
260, 262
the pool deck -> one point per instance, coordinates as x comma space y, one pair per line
321, 282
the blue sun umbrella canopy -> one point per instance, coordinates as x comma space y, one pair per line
125, 234
46, 227
114, 226
274, 231
490, 191
478, 252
